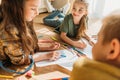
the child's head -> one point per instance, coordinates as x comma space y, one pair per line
14, 14
107, 48
31, 9
20, 9
79, 8
79, 12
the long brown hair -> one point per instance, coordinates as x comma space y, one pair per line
84, 19
12, 12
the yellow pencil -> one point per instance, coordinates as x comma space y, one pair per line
5, 76
53, 38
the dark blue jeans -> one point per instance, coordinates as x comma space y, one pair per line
51, 20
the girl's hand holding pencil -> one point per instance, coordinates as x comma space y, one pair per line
80, 45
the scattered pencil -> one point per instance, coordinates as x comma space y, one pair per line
53, 38
64, 45
65, 78
5, 76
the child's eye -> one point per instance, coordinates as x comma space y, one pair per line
32, 8
73, 8
80, 10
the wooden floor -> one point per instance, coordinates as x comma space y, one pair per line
42, 29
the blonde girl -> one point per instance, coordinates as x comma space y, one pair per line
75, 24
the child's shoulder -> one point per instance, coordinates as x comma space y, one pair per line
68, 16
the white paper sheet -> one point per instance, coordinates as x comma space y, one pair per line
88, 50
51, 75
65, 61
70, 57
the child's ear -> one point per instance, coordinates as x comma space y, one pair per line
115, 49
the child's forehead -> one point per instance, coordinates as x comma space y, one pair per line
80, 5
34, 3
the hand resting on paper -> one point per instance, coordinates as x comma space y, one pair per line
51, 56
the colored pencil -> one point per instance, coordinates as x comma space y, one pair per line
5, 76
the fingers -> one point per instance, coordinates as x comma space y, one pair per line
55, 56
82, 45
55, 45
91, 43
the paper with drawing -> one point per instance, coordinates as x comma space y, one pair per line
67, 56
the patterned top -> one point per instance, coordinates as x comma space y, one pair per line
11, 44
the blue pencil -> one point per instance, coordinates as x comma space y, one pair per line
65, 78
78, 50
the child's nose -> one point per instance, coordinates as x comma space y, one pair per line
75, 13
37, 12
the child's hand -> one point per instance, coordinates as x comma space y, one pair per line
80, 45
91, 43
54, 46
45, 41
52, 56
48, 56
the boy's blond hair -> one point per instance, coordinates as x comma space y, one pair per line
111, 28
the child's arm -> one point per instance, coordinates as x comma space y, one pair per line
71, 42
88, 39
45, 41
49, 45
48, 56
